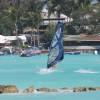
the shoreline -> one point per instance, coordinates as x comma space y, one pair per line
12, 89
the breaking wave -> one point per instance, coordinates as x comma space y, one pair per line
86, 71
46, 71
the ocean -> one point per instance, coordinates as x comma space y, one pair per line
73, 71
53, 96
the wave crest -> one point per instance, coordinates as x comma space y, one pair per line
86, 71
46, 71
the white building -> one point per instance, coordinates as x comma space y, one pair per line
45, 15
9, 39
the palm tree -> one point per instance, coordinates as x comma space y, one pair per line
61, 6
87, 15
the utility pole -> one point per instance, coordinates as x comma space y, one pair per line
38, 35
17, 5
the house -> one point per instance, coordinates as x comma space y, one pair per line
53, 17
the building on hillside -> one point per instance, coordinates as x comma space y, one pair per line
53, 17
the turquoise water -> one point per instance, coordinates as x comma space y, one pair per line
54, 96
73, 71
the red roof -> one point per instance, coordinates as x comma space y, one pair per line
82, 37
90, 37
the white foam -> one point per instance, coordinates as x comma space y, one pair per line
86, 71
46, 71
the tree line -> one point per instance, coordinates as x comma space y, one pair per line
15, 15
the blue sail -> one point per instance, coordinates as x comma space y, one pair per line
56, 52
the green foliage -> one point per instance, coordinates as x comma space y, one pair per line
48, 34
87, 19
27, 13
20, 13
61, 6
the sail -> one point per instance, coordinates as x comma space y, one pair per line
56, 51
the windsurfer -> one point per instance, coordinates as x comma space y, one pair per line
56, 51
53, 67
